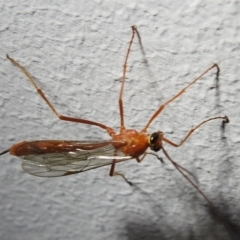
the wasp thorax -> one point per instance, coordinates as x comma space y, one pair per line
155, 141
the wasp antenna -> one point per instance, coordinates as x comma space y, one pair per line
4, 152
226, 119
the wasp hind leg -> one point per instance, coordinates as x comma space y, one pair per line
115, 173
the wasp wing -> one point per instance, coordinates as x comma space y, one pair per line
70, 157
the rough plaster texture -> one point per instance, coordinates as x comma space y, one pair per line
75, 51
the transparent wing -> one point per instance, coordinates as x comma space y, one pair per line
74, 157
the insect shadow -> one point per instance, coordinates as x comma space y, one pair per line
141, 226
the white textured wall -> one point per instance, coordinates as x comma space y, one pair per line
75, 51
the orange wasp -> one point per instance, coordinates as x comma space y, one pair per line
52, 158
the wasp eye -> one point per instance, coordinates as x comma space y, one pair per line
154, 137
155, 142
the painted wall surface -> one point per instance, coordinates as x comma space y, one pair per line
75, 51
